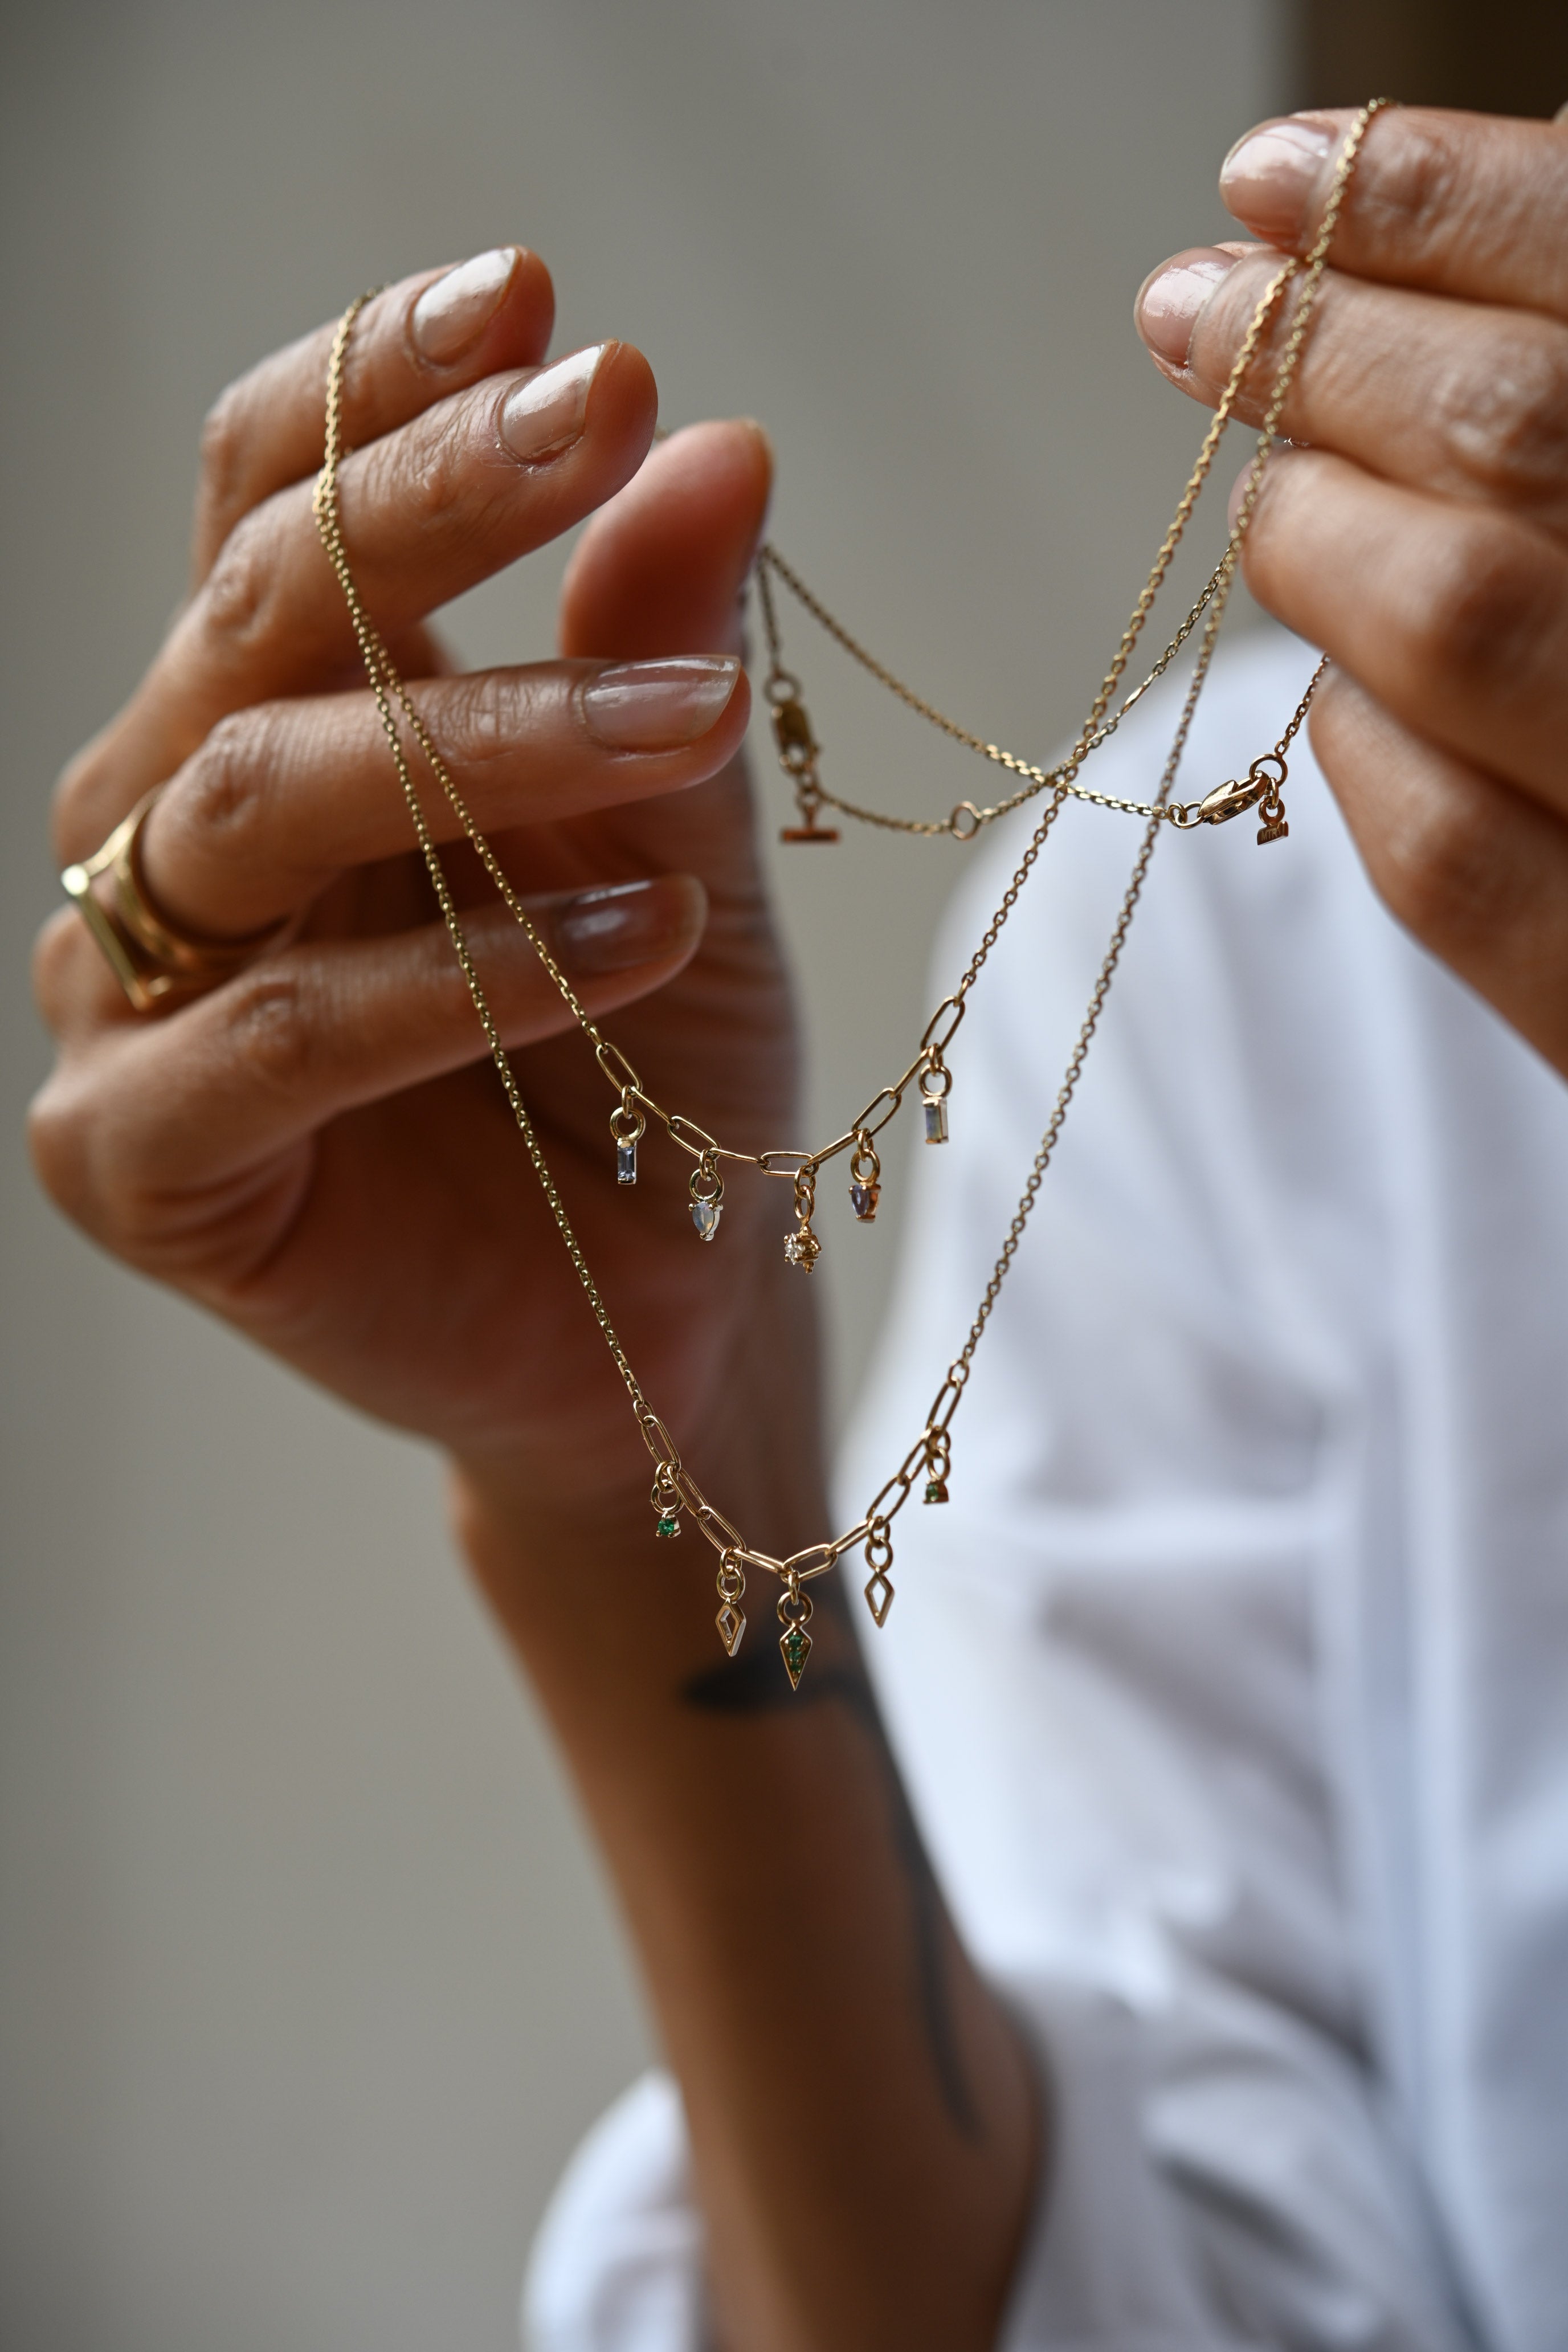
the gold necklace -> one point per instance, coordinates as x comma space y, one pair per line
929, 1459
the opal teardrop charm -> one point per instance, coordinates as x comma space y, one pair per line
706, 1191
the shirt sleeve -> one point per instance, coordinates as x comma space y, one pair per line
1113, 1670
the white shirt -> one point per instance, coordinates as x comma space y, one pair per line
1232, 1685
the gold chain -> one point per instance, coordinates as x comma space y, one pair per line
674, 1485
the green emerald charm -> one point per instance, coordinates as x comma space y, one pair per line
668, 1526
795, 1646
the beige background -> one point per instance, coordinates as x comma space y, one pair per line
307, 1979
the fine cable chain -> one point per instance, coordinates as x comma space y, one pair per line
783, 689
673, 1483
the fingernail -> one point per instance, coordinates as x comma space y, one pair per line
624, 924
1169, 304
1268, 179
652, 706
454, 312
545, 414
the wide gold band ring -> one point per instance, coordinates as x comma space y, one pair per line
151, 957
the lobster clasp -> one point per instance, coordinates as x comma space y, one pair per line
1232, 799
792, 732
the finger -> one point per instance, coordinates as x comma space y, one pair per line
1472, 205
412, 344
1451, 396
142, 1117
661, 568
1476, 871
464, 490
282, 798
1455, 617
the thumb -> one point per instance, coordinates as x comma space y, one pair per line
660, 569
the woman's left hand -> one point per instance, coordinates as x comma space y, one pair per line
1421, 538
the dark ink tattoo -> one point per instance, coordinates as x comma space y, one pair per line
755, 1684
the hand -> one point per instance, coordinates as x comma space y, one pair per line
319, 1149
1421, 538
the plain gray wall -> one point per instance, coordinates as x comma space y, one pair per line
307, 1981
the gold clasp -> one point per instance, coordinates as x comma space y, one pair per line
798, 752
792, 732
1237, 794
1230, 799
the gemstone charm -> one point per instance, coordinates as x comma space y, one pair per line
939, 1461
865, 1177
795, 1645
666, 1501
707, 1190
705, 1216
801, 1249
936, 1118
794, 1641
626, 1124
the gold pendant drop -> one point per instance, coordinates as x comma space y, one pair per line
707, 1190
627, 1125
802, 1247
794, 1641
938, 1462
666, 1500
933, 1097
878, 1584
732, 1618
865, 1177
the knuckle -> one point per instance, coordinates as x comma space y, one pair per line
1510, 428
1480, 610
272, 1032
426, 475
219, 788
225, 447
1417, 184
238, 597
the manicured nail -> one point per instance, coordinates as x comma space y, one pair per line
653, 706
545, 414
624, 924
1268, 178
455, 311
1169, 304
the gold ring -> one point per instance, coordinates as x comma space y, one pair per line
151, 957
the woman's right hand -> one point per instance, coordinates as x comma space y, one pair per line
318, 1149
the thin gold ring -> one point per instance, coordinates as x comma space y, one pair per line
151, 957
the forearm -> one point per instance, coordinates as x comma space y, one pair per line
862, 2113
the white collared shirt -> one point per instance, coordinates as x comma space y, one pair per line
1232, 1685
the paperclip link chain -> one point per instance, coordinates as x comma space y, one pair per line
931, 1452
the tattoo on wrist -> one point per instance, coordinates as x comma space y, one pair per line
751, 1684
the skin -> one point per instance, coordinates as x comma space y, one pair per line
315, 1153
